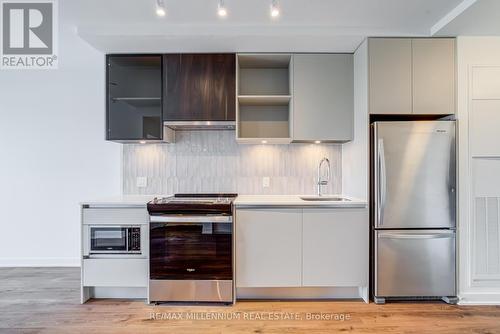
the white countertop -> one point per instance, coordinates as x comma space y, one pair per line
125, 200
241, 201
295, 200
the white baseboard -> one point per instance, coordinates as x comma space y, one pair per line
40, 262
492, 298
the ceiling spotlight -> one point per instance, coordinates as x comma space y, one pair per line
221, 9
317, 141
160, 8
275, 10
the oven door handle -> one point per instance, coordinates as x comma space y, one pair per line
190, 219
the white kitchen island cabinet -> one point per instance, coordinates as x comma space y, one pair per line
268, 252
335, 247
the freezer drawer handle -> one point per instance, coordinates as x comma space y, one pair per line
415, 236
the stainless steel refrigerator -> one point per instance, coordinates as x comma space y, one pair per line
414, 210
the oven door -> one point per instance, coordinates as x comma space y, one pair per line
108, 239
191, 248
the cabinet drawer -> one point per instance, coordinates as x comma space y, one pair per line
415, 263
115, 272
113, 216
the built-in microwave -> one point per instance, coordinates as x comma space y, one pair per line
114, 239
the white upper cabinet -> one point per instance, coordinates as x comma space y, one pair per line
412, 76
390, 75
323, 91
433, 76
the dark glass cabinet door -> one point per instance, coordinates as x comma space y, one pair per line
134, 105
199, 87
191, 251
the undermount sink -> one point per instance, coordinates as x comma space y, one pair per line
325, 198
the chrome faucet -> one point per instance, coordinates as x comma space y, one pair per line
323, 181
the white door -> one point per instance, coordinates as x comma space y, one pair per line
433, 75
323, 95
390, 66
268, 247
335, 247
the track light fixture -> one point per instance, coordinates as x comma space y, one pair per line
221, 9
160, 8
275, 10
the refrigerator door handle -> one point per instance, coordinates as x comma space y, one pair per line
381, 187
416, 235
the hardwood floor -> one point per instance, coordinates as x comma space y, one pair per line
46, 300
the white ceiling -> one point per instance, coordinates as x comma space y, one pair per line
304, 25
481, 18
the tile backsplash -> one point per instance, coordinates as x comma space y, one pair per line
212, 161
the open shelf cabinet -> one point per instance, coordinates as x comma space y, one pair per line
264, 100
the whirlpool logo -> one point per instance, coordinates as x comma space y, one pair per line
29, 34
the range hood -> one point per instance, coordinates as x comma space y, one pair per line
200, 125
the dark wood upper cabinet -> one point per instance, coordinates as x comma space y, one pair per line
199, 87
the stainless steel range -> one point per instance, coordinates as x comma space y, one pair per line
191, 248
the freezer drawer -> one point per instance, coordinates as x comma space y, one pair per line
415, 263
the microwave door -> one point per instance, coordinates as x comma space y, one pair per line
414, 174
108, 239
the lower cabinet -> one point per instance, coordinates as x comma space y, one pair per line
335, 247
115, 272
302, 247
268, 251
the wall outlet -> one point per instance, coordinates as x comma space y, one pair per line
266, 182
141, 182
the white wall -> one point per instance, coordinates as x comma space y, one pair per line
53, 154
355, 153
479, 174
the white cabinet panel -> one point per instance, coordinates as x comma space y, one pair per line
486, 226
105, 216
433, 75
486, 235
335, 247
323, 97
485, 128
390, 77
115, 272
486, 177
268, 247
486, 82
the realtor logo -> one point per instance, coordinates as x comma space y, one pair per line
28, 34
